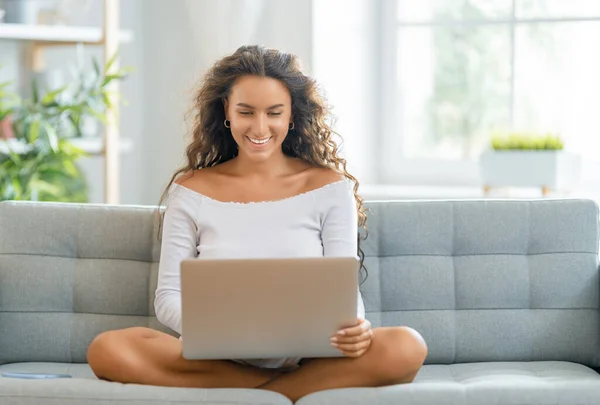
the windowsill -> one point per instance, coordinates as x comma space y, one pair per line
371, 192
401, 192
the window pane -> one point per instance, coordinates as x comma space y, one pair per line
454, 89
557, 82
436, 10
557, 8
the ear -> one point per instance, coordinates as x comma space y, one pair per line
225, 105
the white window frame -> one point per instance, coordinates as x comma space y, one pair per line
395, 167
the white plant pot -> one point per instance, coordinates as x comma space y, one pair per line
549, 170
20, 11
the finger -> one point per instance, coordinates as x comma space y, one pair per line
362, 326
344, 330
353, 347
354, 354
351, 330
368, 334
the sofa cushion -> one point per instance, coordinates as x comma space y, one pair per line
490, 280
85, 389
69, 272
458, 384
503, 383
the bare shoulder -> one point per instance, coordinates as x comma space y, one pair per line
321, 177
200, 180
184, 177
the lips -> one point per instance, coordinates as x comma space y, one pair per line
259, 141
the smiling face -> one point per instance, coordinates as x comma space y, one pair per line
259, 109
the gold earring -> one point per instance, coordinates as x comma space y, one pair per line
225, 123
292, 127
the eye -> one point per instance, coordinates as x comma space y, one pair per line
275, 113
245, 112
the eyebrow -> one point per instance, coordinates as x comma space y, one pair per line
249, 106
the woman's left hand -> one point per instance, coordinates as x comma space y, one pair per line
355, 340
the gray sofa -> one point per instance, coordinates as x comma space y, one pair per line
506, 293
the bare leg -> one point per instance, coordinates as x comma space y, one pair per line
146, 356
394, 357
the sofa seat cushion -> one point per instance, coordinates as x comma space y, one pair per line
520, 383
85, 389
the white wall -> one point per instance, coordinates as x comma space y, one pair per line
10, 63
346, 65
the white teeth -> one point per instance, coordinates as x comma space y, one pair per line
259, 141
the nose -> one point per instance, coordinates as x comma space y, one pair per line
261, 126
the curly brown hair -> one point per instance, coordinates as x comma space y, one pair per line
212, 143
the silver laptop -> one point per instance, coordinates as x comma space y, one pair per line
266, 308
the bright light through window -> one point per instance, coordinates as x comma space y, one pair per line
468, 68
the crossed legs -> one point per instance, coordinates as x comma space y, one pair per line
146, 356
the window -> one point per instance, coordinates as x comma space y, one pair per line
456, 71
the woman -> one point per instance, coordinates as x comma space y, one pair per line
263, 179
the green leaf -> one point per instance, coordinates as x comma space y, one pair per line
96, 66
17, 189
50, 97
43, 186
36, 92
107, 100
15, 158
111, 61
52, 137
70, 168
72, 108
98, 115
110, 78
34, 131
71, 150
125, 71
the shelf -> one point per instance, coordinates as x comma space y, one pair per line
92, 146
56, 33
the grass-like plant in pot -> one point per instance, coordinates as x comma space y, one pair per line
521, 159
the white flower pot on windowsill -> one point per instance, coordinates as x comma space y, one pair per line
544, 169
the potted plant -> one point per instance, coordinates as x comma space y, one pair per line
529, 160
38, 160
